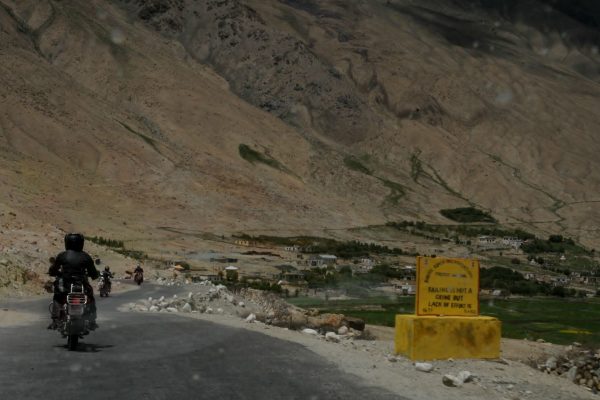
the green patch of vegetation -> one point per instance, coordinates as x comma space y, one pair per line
440, 181
319, 245
397, 191
554, 244
467, 214
253, 156
512, 282
416, 167
105, 242
354, 164
560, 321
151, 142
135, 254
419, 227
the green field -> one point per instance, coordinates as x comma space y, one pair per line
555, 320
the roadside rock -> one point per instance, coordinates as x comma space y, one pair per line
354, 323
457, 381
451, 381
332, 337
424, 367
326, 321
251, 318
343, 330
551, 363
309, 331
187, 308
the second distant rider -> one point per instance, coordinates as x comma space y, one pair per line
107, 275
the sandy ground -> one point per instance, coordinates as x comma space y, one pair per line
373, 362
368, 359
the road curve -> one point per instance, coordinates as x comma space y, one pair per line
163, 356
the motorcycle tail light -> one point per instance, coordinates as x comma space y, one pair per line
76, 299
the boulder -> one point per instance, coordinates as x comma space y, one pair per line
186, 308
354, 323
251, 318
572, 374
309, 331
457, 381
332, 337
465, 376
551, 363
343, 330
450, 380
153, 309
326, 321
424, 367
296, 320
172, 309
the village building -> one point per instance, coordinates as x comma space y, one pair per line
245, 243
486, 241
404, 287
361, 268
292, 249
561, 280
322, 260
513, 242
289, 274
530, 276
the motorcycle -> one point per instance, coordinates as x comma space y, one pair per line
103, 287
138, 278
72, 322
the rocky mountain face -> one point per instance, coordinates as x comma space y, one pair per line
125, 117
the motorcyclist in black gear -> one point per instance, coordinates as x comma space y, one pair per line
73, 265
106, 275
138, 269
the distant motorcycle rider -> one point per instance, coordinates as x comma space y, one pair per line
107, 275
70, 266
138, 274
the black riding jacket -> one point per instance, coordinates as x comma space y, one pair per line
71, 263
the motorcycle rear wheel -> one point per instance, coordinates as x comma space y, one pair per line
72, 342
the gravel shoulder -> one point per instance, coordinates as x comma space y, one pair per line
373, 360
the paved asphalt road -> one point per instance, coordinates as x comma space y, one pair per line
163, 356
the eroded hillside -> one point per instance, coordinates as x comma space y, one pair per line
234, 115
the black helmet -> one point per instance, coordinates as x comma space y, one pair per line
74, 241
107, 268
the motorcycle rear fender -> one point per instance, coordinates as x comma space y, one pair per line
75, 326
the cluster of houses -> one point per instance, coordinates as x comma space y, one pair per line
493, 242
563, 280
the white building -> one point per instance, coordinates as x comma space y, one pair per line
513, 242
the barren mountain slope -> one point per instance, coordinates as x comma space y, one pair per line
127, 115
